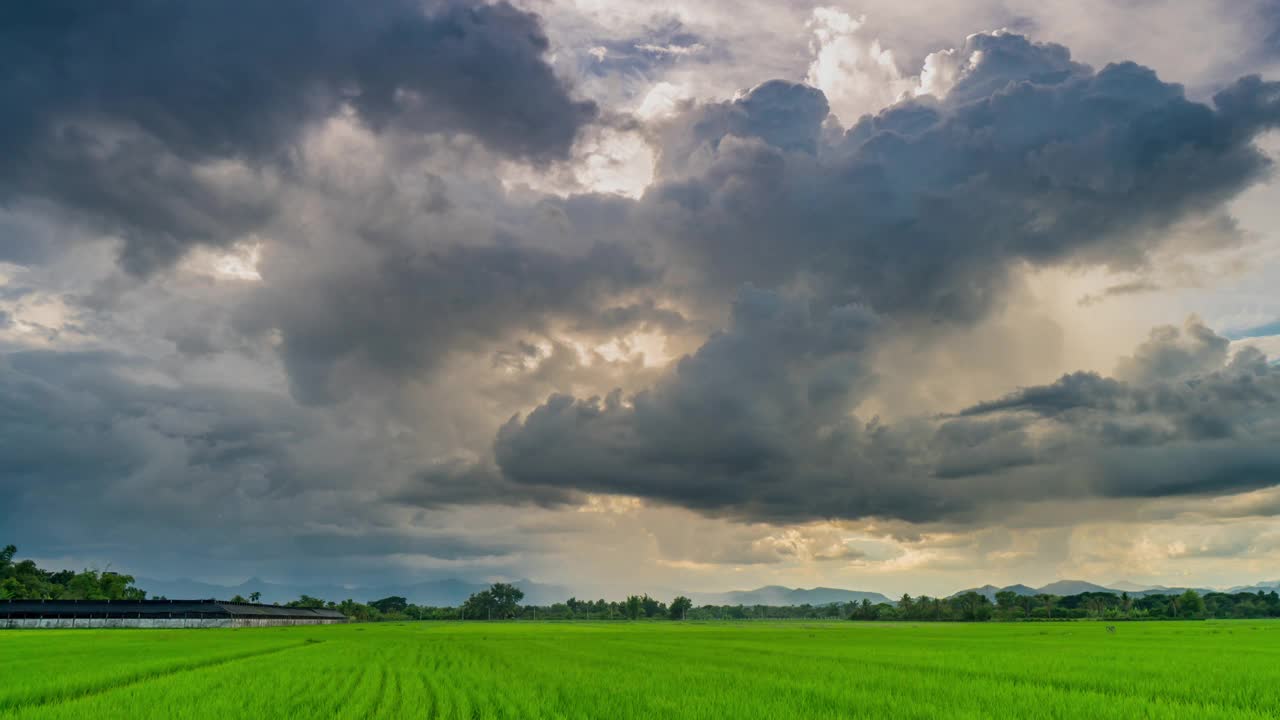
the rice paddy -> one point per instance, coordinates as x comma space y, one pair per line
1227, 669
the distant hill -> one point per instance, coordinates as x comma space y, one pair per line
1266, 587
1075, 587
779, 595
440, 593
450, 592
1126, 586
989, 591
1071, 587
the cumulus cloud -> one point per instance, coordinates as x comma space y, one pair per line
1171, 353
925, 207
780, 440
857, 76
139, 142
764, 400
745, 429
917, 213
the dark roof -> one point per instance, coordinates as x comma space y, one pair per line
156, 609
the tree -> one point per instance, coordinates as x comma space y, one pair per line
633, 607
358, 611
1047, 601
652, 608
92, 585
506, 599
1188, 604
1028, 603
389, 605
973, 606
500, 601
906, 606
10, 587
237, 599
865, 611
255, 596
1007, 602
680, 607
306, 601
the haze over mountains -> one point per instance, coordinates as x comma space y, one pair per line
1075, 587
779, 595
438, 593
453, 591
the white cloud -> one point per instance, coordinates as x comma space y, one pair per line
857, 75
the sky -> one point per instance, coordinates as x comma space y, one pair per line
643, 297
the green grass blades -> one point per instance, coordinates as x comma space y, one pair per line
1227, 669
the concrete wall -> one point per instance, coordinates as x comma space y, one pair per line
160, 623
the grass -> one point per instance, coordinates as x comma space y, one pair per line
667, 670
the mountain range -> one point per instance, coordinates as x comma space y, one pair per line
779, 595
1075, 587
452, 591
438, 593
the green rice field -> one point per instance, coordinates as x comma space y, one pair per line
794, 669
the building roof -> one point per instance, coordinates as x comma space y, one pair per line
156, 609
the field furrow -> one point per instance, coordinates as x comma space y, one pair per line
661, 670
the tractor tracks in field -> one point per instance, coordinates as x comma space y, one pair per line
58, 696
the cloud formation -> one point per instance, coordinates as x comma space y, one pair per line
358, 288
163, 143
920, 213
759, 425
925, 207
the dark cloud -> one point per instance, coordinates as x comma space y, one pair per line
460, 482
1170, 353
920, 212
105, 459
398, 318
784, 115
994, 61
645, 315
925, 207
120, 112
409, 251
759, 424
756, 421
77, 420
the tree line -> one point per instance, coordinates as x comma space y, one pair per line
23, 579
502, 601
1010, 606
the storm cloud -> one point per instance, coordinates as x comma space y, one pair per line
924, 208
346, 279
134, 115
921, 212
740, 431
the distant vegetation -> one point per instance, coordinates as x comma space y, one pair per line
1010, 606
22, 579
501, 601
500, 604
